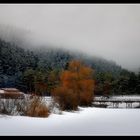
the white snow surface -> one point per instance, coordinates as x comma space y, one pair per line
87, 121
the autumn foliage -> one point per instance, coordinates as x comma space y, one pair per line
76, 88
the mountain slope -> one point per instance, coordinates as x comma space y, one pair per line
14, 60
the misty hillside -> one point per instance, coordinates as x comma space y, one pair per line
15, 60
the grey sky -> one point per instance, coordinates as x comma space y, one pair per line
110, 31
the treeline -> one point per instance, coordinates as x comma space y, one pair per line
127, 83
33, 70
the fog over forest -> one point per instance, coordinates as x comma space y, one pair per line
110, 31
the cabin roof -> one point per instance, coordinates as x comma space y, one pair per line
10, 91
1, 91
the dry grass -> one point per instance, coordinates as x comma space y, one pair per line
37, 108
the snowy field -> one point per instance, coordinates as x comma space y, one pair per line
87, 121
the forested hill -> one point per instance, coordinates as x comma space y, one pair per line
15, 60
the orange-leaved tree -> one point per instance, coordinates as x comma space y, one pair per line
76, 86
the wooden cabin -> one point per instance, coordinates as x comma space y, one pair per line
11, 93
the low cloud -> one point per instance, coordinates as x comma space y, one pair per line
110, 31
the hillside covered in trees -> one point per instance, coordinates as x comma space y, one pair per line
24, 68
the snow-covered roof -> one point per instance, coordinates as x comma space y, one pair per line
9, 89
1, 91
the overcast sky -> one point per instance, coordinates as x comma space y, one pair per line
110, 31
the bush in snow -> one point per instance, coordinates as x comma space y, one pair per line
37, 108
76, 86
12, 106
54, 107
66, 99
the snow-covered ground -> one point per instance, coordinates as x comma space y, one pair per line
87, 121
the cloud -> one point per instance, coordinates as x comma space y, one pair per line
110, 31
